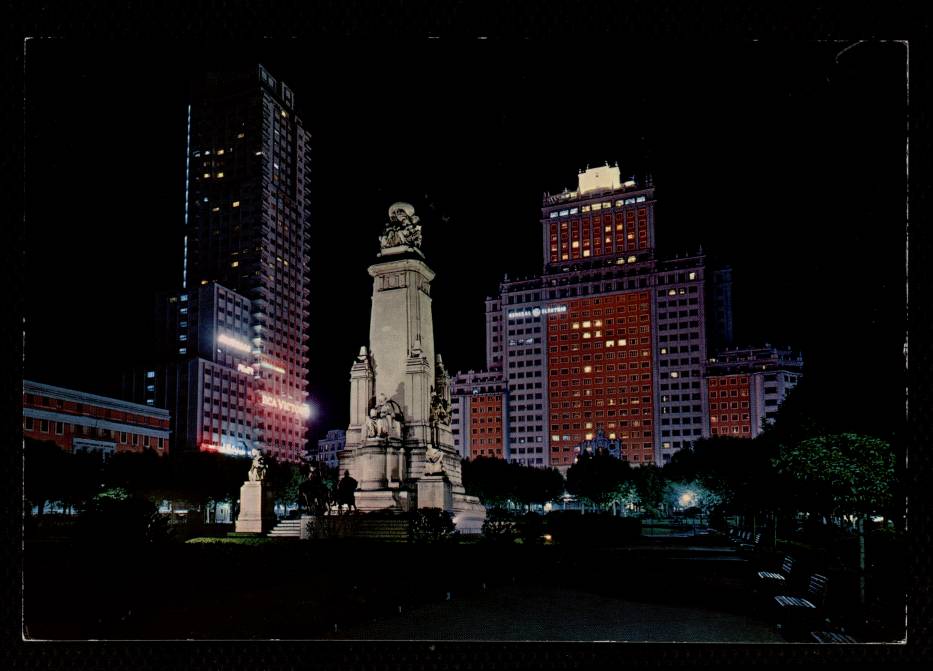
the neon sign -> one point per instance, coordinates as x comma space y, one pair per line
537, 311
277, 369
225, 448
233, 343
303, 410
243, 368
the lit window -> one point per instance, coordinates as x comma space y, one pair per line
575, 244
220, 152
575, 325
586, 208
150, 373
692, 276
610, 343
631, 259
663, 350
675, 374
672, 292
587, 324
220, 174
240, 136
234, 264
553, 215
564, 213
630, 236
588, 369
622, 343
182, 350
597, 206
215, 209
640, 199
236, 203
573, 210
586, 335
586, 252
207, 175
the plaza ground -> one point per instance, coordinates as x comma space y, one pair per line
686, 589
546, 613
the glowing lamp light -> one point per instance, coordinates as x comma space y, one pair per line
686, 499
233, 343
243, 368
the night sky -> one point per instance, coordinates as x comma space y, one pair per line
785, 162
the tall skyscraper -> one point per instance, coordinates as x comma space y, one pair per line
609, 339
238, 329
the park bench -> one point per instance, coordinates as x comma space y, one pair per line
777, 577
795, 612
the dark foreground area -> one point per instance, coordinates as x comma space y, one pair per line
689, 589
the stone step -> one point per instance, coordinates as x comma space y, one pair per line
286, 529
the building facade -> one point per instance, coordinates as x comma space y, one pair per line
80, 422
235, 339
747, 385
479, 421
329, 446
608, 338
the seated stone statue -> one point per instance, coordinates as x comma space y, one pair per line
434, 461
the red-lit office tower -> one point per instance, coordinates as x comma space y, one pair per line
608, 336
240, 324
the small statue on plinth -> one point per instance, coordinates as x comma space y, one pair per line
257, 471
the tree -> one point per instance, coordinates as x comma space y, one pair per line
650, 487
596, 478
500, 483
842, 474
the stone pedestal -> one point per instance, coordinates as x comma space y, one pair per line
434, 491
257, 509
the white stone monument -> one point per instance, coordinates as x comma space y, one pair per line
257, 507
399, 445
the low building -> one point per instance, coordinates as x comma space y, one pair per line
746, 386
478, 416
329, 446
80, 422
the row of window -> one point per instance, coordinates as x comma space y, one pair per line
125, 438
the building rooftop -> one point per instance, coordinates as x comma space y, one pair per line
593, 181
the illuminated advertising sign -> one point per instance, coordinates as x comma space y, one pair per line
225, 448
243, 368
537, 311
303, 410
233, 343
270, 366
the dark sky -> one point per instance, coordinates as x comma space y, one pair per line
786, 162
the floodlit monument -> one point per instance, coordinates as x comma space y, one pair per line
399, 445
257, 508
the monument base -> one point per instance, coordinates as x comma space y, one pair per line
368, 501
257, 509
468, 514
434, 491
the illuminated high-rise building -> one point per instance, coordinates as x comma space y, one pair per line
238, 329
609, 339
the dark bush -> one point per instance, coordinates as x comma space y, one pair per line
499, 526
430, 525
530, 528
592, 529
115, 515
